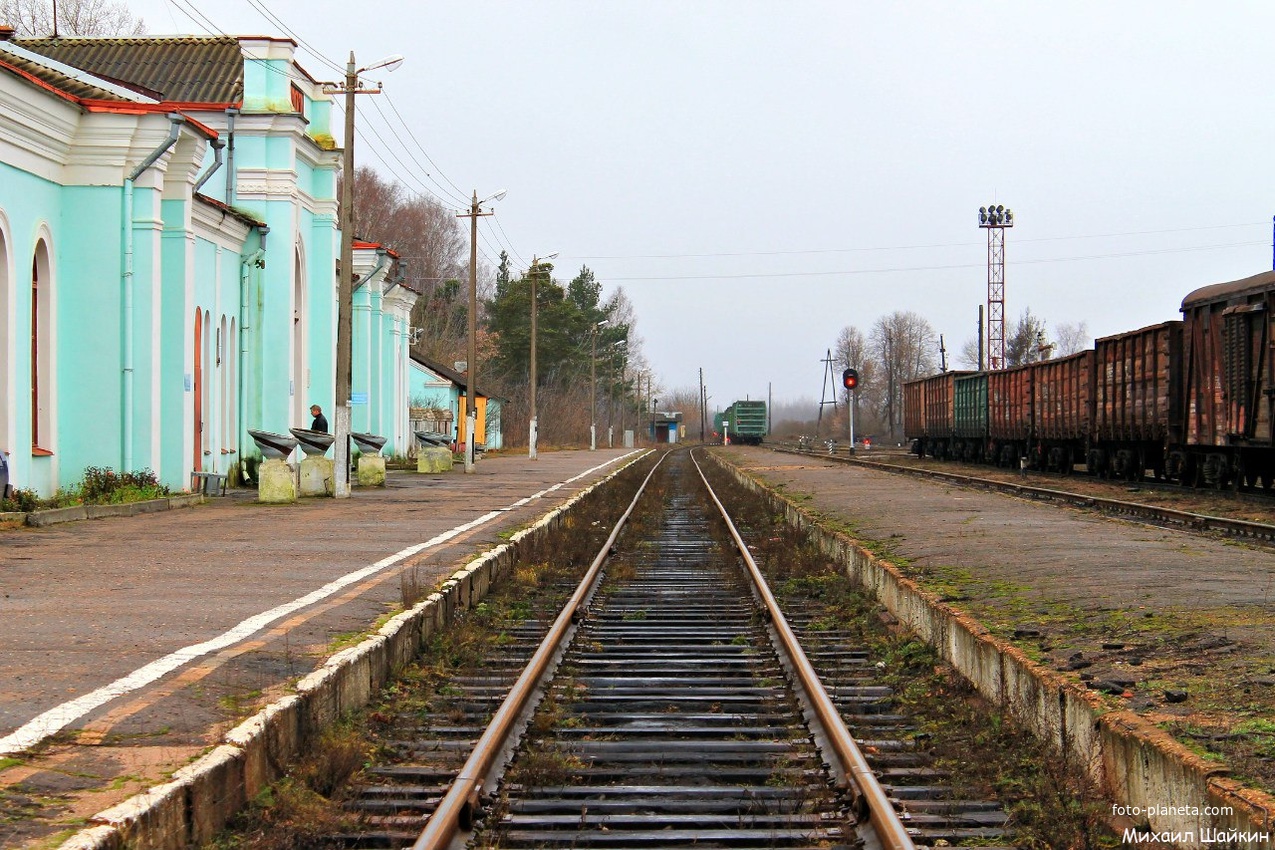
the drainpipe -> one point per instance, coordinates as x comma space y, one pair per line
246, 369
230, 155
382, 257
217, 145
174, 130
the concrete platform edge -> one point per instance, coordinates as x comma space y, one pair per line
204, 795
1132, 760
75, 513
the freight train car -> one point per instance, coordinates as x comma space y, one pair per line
744, 422
1009, 415
969, 417
1062, 411
1191, 401
929, 417
1138, 404
1228, 387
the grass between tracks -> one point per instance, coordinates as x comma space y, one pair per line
1051, 803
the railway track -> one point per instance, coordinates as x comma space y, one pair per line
1202, 523
668, 704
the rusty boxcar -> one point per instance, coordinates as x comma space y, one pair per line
934, 425
1063, 410
1227, 385
1138, 407
1009, 414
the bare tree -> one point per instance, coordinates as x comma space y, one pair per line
1071, 339
853, 351
84, 18
431, 241
905, 344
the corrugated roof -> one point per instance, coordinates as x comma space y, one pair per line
76, 88
183, 69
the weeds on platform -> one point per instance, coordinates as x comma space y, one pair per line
303, 809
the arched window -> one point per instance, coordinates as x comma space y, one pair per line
43, 394
300, 374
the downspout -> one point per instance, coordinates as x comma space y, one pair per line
230, 155
256, 259
126, 436
217, 145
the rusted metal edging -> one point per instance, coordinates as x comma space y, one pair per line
459, 804
869, 797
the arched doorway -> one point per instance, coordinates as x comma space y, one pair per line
8, 319
197, 460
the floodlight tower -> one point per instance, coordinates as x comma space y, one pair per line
994, 219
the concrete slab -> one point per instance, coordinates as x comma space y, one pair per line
90, 604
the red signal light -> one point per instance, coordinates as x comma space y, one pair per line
850, 379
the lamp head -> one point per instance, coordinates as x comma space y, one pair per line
389, 63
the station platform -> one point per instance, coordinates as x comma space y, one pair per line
1175, 626
128, 645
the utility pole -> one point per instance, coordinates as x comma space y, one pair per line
828, 378
533, 427
345, 287
593, 385
942, 355
471, 361
701, 404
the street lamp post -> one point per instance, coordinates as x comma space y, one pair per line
533, 427
621, 348
471, 363
345, 295
593, 386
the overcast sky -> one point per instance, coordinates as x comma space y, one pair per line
757, 176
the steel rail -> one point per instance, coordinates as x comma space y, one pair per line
1114, 507
458, 805
869, 797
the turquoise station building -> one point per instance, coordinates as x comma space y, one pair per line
168, 260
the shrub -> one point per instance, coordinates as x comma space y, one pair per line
21, 500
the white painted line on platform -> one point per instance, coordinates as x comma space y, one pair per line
61, 716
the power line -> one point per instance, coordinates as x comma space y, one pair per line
274, 19
456, 199
940, 267
915, 247
428, 158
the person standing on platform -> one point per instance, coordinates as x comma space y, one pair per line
320, 422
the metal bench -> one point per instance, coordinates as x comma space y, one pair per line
208, 483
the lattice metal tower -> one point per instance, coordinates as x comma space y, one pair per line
995, 219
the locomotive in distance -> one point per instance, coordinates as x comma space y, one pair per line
1190, 400
743, 422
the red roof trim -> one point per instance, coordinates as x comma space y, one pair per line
120, 108
39, 83
370, 246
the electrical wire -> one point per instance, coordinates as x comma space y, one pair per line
1017, 241
1017, 262
309, 48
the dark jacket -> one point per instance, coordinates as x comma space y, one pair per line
320, 423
